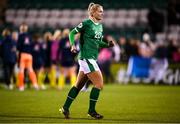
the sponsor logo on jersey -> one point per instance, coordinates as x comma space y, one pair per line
26, 40
36, 47
98, 35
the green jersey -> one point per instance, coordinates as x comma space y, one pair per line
90, 39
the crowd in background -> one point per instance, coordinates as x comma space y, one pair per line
39, 56
54, 63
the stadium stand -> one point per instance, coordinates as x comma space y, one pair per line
119, 18
61, 13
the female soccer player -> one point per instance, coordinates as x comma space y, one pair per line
54, 57
8, 52
24, 46
38, 59
67, 61
91, 40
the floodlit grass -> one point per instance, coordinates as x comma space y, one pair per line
118, 103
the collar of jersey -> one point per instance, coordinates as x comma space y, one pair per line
96, 23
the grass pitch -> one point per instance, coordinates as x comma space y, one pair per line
118, 104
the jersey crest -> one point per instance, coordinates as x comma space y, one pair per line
80, 25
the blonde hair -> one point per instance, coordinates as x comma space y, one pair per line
6, 32
57, 34
92, 8
48, 36
65, 32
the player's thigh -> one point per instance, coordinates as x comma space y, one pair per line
22, 62
72, 70
62, 70
29, 62
53, 67
81, 80
96, 78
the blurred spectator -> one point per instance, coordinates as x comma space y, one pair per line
132, 48
115, 49
15, 36
8, 51
161, 51
66, 60
44, 72
123, 49
146, 48
24, 46
47, 50
176, 55
38, 59
159, 63
172, 47
105, 59
54, 57
16, 70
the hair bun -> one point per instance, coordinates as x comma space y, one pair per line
90, 5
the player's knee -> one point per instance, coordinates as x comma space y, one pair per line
78, 87
21, 70
30, 69
99, 86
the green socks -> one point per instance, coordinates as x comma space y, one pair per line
71, 96
74, 92
93, 99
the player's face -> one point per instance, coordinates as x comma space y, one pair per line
23, 28
99, 14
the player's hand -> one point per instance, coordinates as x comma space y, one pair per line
73, 49
111, 43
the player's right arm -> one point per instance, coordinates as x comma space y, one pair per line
77, 29
72, 37
72, 41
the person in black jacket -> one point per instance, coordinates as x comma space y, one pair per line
44, 72
66, 60
8, 53
38, 61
